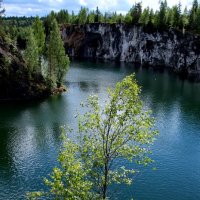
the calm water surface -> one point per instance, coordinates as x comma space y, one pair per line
30, 134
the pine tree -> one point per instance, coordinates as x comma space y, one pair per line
177, 15
136, 12
162, 15
128, 18
31, 53
38, 30
82, 15
151, 17
90, 17
144, 18
73, 18
58, 60
97, 15
47, 22
185, 19
193, 15
198, 20
120, 18
63, 16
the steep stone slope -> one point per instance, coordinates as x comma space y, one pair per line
119, 42
15, 83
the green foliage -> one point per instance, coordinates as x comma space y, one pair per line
57, 58
151, 17
97, 17
136, 12
63, 17
122, 129
194, 17
18, 21
69, 180
145, 16
91, 17
82, 15
31, 53
39, 34
73, 18
38, 30
128, 18
193, 14
185, 20
12, 31
162, 19
174, 16
48, 22
30, 36
120, 18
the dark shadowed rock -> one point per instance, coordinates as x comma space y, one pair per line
15, 83
120, 42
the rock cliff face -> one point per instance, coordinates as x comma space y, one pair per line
15, 83
119, 42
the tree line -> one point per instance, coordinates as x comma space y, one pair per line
164, 18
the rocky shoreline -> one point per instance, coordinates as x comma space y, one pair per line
170, 49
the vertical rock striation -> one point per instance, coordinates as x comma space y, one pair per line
120, 42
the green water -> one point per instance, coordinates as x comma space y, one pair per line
30, 142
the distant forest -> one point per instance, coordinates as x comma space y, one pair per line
166, 17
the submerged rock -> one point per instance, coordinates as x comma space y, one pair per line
120, 42
15, 83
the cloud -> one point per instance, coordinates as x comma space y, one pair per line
155, 3
83, 3
27, 10
43, 7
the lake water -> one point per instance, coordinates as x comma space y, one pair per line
30, 134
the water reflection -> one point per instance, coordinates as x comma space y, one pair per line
29, 144
84, 86
30, 132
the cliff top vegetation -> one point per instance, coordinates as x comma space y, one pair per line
164, 18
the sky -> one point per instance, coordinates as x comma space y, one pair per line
43, 7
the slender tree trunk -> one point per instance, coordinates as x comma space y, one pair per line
40, 64
105, 185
